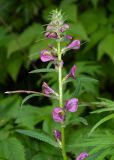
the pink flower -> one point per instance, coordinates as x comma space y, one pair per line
74, 45
50, 27
57, 135
46, 56
72, 105
82, 156
64, 27
47, 90
58, 114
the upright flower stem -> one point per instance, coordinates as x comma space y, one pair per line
61, 98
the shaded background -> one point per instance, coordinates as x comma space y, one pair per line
21, 40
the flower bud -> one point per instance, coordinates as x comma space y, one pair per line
72, 105
57, 135
68, 37
82, 156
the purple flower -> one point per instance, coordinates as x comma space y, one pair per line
50, 27
72, 105
47, 90
57, 135
58, 114
46, 56
74, 45
64, 28
72, 72
82, 156
51, 35
68, 37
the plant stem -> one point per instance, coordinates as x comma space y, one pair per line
61, 98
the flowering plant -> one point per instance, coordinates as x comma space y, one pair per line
56, 30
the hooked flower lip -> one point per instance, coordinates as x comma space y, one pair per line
46, 56
74, 45
72, 105
47, 90
72, 72
58, 114
82, 156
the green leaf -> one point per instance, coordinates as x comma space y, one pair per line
92, 18
103, 110
25, 39
95, 38
100, 122
14, 64
12, 149
84, 84
29, 116
44, 156
107, 47
43, 70
78, 31
28, 97
39, 135
72, 15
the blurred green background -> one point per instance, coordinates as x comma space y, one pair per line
22, 24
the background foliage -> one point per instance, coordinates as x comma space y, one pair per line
21, 40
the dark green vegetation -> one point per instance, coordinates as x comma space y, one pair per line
21, 40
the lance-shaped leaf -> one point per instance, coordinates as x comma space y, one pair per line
40, 136
100, 122
43, 70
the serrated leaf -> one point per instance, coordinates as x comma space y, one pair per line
40, 136
43, 70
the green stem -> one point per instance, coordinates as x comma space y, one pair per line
61, 99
